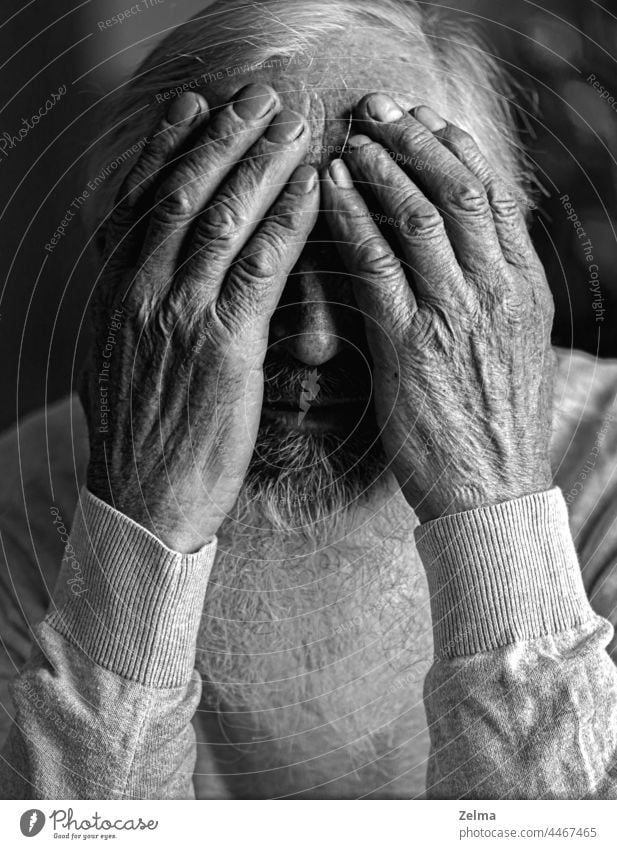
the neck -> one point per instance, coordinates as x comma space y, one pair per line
275, 602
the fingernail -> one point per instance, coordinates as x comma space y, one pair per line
431, 120
358, 141
303, 180
285, 127
253, 101
339, 173
184, 108
383, 108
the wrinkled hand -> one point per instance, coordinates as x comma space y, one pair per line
199, 248
459, 327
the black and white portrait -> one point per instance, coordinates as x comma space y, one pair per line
309, 464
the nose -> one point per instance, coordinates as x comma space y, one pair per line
308, 324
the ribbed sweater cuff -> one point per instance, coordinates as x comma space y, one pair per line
129, 602
501, 574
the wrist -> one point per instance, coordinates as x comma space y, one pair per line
472, 496
185, 539
175, 528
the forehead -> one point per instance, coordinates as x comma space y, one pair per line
326, 84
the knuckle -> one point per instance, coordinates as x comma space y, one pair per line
175, 203
184, 304
221, 136
226, 324
285, 216
420, 219
285, 232
288, 224
220, 222
468, 195
210, 239
262, 263
413, 137
156, 151
503, 201
229, 212
138, 178
521, 303
206, 329
234, 320
374, 256
210, 318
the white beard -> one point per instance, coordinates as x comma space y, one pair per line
309, 486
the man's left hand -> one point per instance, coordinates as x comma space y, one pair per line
459, 326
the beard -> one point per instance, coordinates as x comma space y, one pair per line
307, 482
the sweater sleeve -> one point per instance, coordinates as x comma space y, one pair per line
105, 702
521, 699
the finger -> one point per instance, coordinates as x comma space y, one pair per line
135, 195
418, 226
226, 138
380, 285
229, 221
459, 196
255, 283
508, 216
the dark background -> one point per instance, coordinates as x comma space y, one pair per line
551, 46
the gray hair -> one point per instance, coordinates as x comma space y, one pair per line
229, 38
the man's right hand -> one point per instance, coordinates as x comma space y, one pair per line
207, 228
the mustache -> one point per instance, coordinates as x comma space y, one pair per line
345, 377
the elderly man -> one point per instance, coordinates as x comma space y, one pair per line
318, 549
